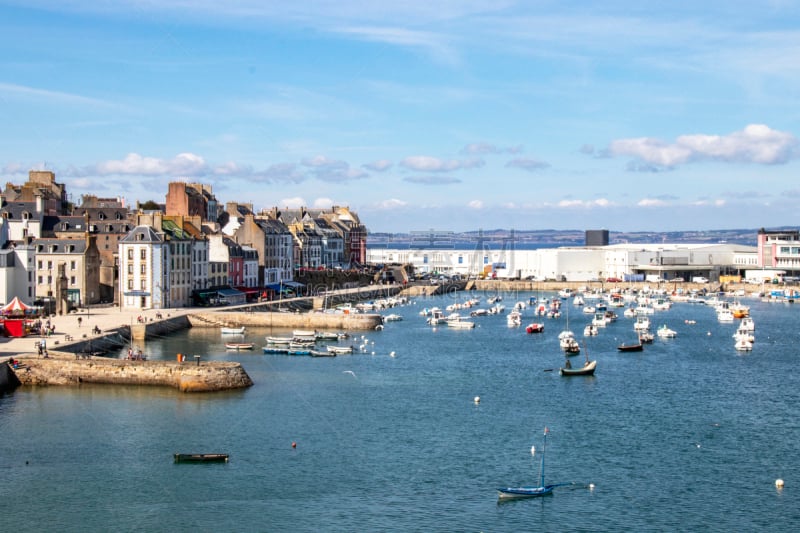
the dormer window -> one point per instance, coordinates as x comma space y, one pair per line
64, 226
101, 215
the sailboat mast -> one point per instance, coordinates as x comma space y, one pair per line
541, 468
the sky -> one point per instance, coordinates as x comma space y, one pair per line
451, 115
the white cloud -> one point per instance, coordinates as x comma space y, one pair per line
295, 202
13, 168
434, 43
481, 148
651, 202
392, 203
380, 165
475, 204
333, 170
185, 164
756, 143
426, 163
432, 180
526, 163
323, 203
10, 90
584, 204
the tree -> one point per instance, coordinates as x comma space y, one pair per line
150, 205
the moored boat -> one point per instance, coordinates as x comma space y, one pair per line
340, 349
232, 331
635, 347
586, 370
534, 327
201, 457
529, 491
239, 345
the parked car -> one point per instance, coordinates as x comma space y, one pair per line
613, 280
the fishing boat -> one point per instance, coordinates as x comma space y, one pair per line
279, 340
646, 337
458, 322
276, 348
340, 349
232, 331
530, 491
666, 333
635, 347
586, 370
321, 353
239, 345
201, 457
534, 327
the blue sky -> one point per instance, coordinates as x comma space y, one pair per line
448, 115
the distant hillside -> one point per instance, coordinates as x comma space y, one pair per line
549, 238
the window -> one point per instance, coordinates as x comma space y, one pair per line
130, 284
40, 265
72, 280
144, 284
144, 269
130, 268
130, 254
72, 265
144, 253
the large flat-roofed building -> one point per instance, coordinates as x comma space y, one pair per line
618, 261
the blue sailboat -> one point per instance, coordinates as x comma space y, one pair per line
528, 491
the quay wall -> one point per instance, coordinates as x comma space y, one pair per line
188, 376
316, 321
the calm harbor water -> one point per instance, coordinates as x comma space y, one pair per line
687, 435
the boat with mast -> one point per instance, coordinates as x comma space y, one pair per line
530, 491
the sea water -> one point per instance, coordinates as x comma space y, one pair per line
687, 435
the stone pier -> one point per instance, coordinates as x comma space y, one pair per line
186, 376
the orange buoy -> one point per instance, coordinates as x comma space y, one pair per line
294, 445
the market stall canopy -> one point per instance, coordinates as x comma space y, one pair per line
17, 307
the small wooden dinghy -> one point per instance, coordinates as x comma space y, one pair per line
201, 457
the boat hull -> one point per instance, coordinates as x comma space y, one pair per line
587, 370
524, 492
201, 457
630, 347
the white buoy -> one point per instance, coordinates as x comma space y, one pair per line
391, 354
779, 483
477, 399
591, 486
533, 450
373, 353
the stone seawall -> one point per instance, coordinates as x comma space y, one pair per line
188, 376
313, 321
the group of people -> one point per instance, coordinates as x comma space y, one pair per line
43, 328
136, 355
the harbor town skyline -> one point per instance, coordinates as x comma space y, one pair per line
449, 115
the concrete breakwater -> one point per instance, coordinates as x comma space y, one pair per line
187, 376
